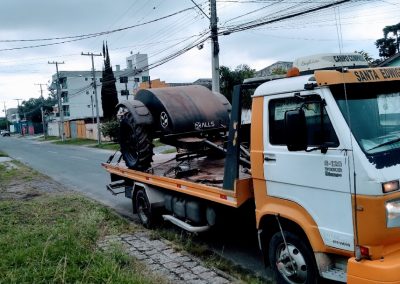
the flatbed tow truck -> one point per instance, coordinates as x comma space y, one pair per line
320, 162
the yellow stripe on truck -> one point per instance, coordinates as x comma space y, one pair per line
367, 75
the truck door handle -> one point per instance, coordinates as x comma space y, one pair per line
269, 157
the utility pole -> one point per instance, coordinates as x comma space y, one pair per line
214, 46
60, 107
5, 115
43, 123
19, 119
91, 101
91, 54
41, 90
18, 101
41, 108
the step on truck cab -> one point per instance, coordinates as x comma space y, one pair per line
321, 165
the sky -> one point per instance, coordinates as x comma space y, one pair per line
351, 26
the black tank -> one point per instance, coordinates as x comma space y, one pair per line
185, 109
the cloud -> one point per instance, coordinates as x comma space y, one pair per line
361, 23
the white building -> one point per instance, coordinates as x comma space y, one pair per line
12, 115
77, 93
277, 66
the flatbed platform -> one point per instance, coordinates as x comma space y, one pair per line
204, 181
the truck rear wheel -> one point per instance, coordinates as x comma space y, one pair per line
143, 208
292, 262
136, 143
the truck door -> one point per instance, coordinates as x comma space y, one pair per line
319, 182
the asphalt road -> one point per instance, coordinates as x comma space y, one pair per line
79, 168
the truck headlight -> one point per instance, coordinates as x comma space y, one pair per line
393, 213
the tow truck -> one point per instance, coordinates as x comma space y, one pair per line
320, 162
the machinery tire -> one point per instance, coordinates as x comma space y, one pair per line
143, 208
303, 270
136, 143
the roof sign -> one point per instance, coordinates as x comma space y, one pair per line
328, 61
367, 75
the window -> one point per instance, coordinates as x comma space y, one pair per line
66, 110
63, 83
317, 133
374, 110
64, 97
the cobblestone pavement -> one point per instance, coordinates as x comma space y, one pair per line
161, 258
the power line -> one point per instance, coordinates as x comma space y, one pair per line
201, 10
254, 24
100, 33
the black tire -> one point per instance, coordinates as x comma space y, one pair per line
136, 143
143, 208
304, 265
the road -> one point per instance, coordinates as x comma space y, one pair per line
79, 168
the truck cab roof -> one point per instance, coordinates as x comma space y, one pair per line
285, 85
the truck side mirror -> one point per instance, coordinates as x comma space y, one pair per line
296, 130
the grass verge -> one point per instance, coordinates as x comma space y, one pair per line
157, 143
169, 151
75, 141
48, 138
52, 238
9, 172
108, 146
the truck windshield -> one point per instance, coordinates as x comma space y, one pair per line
374, 114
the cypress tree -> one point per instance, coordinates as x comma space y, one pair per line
109, 96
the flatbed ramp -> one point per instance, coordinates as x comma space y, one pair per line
205, 183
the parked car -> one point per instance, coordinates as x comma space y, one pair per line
4, 133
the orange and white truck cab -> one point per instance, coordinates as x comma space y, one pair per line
323, 174
336, 173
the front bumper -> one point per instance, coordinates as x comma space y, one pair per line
385, 270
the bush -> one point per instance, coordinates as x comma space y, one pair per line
111, 129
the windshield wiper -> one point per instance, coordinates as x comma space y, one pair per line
386, 143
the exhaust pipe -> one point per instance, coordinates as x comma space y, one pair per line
185, 225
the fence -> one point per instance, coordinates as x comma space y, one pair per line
75, 129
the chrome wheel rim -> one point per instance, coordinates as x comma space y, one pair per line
291, 264
142, 209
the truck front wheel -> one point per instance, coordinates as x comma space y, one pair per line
143, 208
292, 262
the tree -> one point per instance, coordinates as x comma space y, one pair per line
389, 45
279, 71
109, 96
229, 78
3, 123
371, 61
31, 108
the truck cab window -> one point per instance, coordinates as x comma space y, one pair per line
317, 135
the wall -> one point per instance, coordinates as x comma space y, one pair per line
52, 129
91, 132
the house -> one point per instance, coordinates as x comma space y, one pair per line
14, 119
277, 66
77, 93
391, 61
206, 82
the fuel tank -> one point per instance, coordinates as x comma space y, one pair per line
185, 109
